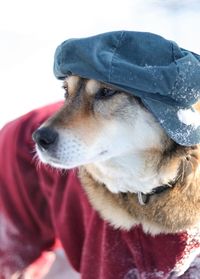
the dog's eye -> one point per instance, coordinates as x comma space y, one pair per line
104, 92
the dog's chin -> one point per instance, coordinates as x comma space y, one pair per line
55, 163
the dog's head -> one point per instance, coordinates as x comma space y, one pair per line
96, 123
110, 132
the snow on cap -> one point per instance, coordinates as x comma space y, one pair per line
165, 76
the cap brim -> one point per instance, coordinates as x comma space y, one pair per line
167, 115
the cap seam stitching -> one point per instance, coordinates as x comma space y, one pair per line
177, 69
114, 52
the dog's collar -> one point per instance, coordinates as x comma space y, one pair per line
144, 198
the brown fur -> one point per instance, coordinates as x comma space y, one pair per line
174, 210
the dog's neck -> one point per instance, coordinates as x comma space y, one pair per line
171, 211
174, 210
137, 172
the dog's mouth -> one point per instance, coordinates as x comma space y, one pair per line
54, 159
52, 151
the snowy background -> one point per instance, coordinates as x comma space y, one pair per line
31, 30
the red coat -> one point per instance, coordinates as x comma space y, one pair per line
39, 204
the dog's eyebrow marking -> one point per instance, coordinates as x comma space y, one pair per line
92, 86
72, 83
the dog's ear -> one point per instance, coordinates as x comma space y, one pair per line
189, 169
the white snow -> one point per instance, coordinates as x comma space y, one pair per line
190, 262
189, 117
31, 30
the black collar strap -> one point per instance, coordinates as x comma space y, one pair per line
144, 198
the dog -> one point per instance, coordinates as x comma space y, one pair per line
132, 172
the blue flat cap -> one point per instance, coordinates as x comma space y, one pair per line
165, 76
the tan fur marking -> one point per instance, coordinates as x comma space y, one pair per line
92, 86
72, 83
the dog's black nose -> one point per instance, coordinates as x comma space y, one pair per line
45, 137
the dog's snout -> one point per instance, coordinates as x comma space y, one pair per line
45, 137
